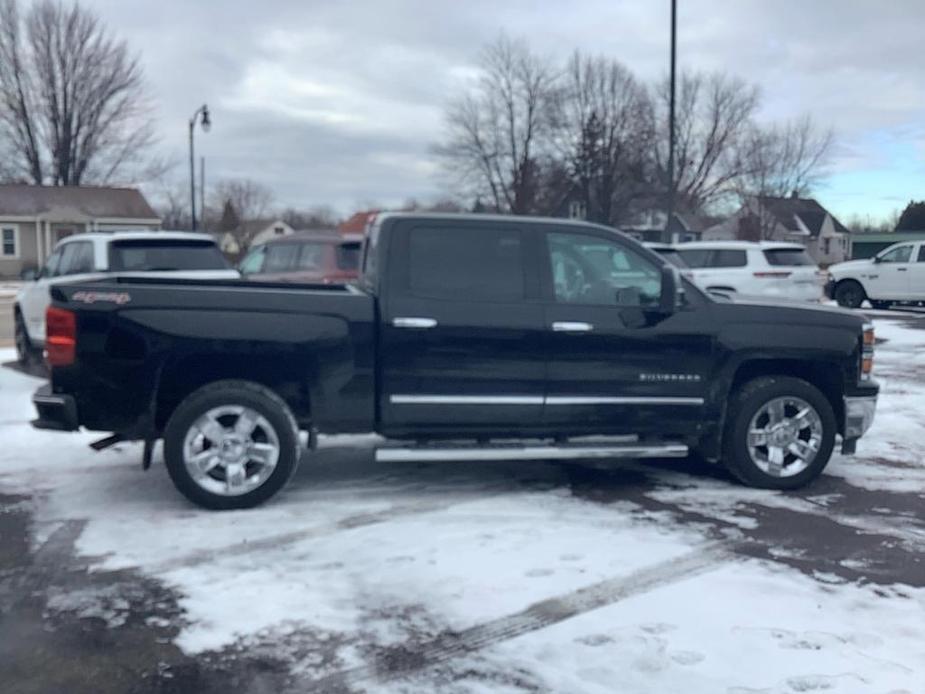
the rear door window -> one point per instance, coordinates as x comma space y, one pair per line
152, 255
348, 256
789, 257
470, 264
728, 258
695, 257
922, 253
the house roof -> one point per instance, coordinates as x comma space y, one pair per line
356, 223
808, 210
19, 200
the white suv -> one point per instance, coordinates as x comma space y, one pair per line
764, 269
96, 254
896, 274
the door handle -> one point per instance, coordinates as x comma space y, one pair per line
901, 269
571, 326
419, 323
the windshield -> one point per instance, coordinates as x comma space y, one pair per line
152, 255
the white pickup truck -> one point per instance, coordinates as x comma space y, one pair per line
82, 257
895, 275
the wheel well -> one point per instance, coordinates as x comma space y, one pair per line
180, 378
825, 376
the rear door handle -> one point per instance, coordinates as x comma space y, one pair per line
901, 269
419, 323
571, 326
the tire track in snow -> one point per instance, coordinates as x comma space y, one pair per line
53, 558
273, 542
408, 659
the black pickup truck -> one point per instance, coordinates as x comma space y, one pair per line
467, 338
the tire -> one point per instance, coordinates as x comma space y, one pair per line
253, 439
26, 353
751, 409
850, 294
881, 305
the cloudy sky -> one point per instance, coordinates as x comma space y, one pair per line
339, 102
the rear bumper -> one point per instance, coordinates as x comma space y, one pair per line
57, 412
859, 415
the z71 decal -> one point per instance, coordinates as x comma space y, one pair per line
109, 297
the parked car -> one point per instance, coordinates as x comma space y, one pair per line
465, 332
310, 257
895, 275
669, 253
765, 269
94, 255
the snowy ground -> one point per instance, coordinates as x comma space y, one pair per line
470, 578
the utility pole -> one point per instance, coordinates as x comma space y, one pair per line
202, 187
666, 233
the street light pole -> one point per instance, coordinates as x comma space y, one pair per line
202, 115
666, 233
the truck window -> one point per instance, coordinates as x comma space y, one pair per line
151, 255
591, 270
348, 255
922, 253
898, 254
76, 258
253, 263
474, 264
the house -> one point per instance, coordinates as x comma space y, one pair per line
792, 219
649, 224
251, 233
34, 218
357, 223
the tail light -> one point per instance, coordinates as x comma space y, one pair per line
60, 336
867, 353
773, 275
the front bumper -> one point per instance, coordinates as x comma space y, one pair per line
859, 415
56, 411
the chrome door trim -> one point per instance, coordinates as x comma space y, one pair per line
426, 399
414, 322
571, 326
620, 400
466, 399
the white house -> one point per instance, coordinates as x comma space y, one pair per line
34, 218
794, 219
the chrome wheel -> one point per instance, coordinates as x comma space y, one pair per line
231, 450
785, 436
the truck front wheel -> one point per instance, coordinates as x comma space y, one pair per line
850, 294
231, 445
780, 433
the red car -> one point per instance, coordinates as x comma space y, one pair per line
309, 258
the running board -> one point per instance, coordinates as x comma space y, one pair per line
435, 453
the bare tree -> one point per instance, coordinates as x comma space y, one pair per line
319, 217
714, 115
496, 133
780, 160
603, 132
73, 106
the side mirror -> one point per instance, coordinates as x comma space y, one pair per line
877, 259
671, 284
29, 275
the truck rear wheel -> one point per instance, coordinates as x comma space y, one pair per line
231, 445
26, 353
780, 433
